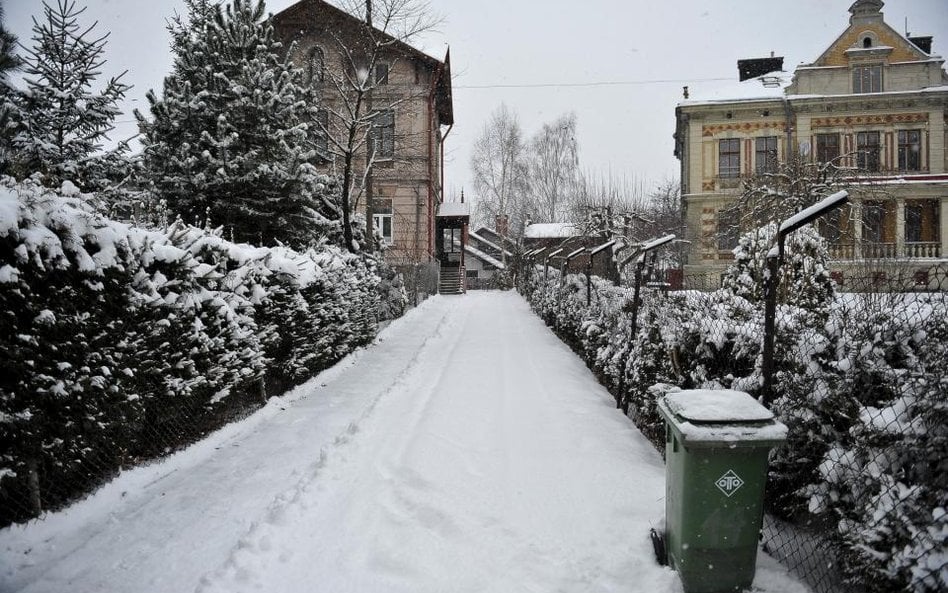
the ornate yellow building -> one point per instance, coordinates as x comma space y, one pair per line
874, 105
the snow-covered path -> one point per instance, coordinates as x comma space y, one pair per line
467, 450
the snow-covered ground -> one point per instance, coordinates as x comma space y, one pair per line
466, 450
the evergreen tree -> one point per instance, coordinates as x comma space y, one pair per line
804, 277
62, 121
9, 62
229, 139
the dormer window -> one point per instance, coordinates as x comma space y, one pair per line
867, 42
867, 79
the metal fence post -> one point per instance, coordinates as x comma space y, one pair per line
639, 265
804, 217
770, 321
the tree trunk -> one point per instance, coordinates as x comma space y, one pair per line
346, 203
369, 210
36, 501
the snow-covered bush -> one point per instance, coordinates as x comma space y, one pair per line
804, 278
393, 298
689, 340
120, 343
885, 478
606, 332
861, 382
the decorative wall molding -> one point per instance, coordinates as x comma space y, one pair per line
747, 127
843, 121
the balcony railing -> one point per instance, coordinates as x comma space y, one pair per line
920, 250
877, 250
841, 250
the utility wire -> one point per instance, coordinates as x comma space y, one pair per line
588, 84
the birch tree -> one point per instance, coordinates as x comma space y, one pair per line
553, 169
499, 167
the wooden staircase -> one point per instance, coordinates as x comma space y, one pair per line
451, 279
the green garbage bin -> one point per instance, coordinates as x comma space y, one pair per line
716, 448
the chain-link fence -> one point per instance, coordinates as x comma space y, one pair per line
857, 498
49, 484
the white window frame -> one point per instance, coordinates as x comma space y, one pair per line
730, 167
868, 78
379, 221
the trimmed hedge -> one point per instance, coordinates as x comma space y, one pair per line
119, 344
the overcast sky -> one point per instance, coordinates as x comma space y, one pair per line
618, 64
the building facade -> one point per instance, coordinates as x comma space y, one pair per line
872, 109
397, 101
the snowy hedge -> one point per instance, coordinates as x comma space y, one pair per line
862, 384
118, 344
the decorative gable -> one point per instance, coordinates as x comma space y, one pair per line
882, 40
868, 37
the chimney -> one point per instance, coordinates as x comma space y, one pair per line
923, 43
500, 225
685, 91
755, 67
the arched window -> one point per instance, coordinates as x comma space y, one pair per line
867, 40
317, 65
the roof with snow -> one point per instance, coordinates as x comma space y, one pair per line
477, 235
768, 87
484, 257
552, 230
446, 209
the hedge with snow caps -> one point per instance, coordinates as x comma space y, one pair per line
863, 387
119, 344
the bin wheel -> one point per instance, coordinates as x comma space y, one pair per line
658, 545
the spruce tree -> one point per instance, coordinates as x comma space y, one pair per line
230, 138
63, 122
9, 62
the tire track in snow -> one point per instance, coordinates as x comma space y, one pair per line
249, 563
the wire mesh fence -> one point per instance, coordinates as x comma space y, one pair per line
50, 484
856, 500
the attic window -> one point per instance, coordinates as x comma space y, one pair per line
867, 42
867, 78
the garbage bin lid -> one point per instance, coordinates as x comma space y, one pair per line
717, 405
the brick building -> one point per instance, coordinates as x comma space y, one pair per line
406, 114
